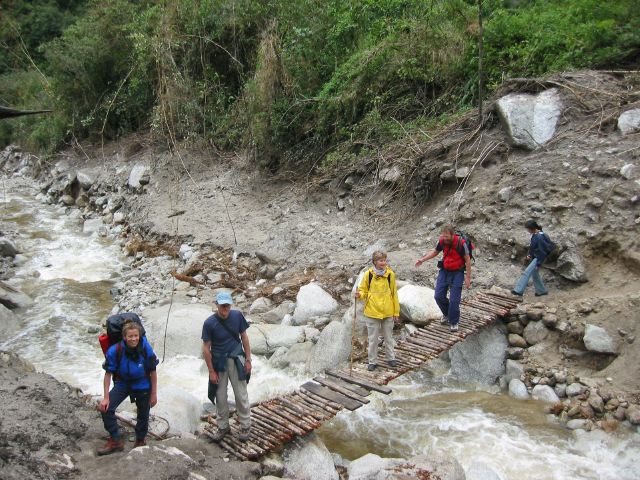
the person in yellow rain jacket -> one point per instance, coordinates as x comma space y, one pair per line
381, 309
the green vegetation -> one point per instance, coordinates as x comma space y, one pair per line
289, 81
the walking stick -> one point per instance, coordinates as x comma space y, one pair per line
353, 336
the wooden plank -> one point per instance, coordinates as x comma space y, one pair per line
278, 425
357, 381
334, 385
294, 410
425, 344
277, 431
292, 421
362, 392
332, 406
316, 412
318, 404
276, 417
332, 395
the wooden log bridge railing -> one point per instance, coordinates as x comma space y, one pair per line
277, 421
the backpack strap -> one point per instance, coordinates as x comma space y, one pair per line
233, 335
371, 278
119, 354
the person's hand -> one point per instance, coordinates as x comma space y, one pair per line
213, 376
153, 399
467, 282
357, 294
419, 262
103, 405
247, 366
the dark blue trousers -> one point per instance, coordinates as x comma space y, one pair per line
449, 282
117, 395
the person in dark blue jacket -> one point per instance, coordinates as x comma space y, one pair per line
539, 248
132, 364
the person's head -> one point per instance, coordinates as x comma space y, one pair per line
131, 332
223, 303
532, 226
379, 259
447, 234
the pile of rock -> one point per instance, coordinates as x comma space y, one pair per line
530, 325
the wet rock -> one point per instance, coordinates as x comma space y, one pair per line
312, 301
368, 466
518, 390
570, 265
13, 298
136, 174
633, 414
333, 347
544, 393
93, 330
417, 304
535, 332
513, 370
530, 120
629, 121
260, 305
7, 248
298, 354
273, 465
579, 424
596, 339
516, 340
107, 219
307, 458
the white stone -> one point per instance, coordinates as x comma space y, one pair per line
84, 179
596, 339
9, 323
312, 301
260, 305
513, 370
137, 172
266, 338
629, 121
535, 332
12, 298
480, 358
368, 466
518, 390
391, 175
307, 458
578, 424
481, 471
530, 120
417, 304
333, 347
544, 393
505, 193
185, 252
118, 218
628, 171
575, 389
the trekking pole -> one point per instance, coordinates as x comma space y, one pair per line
353, 336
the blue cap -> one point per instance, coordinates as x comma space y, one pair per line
224, 298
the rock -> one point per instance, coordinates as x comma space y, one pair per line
629, 121
136, 174
620, 414
312, 301
273, 465
461, 173
515, 327
516, 340
570, 265
530, 120
535, 332
184, 327
298, 354
13, 298
633, 414
579, 424
544, 393
596, 339
515, 353
480, 358
67, 200
391, 175
307, 458
629, 171
505, 194
368, 466
575, 389
518, 390
261, 305
118, 218
7, 248
550, 320
9, 323
93, 330
275, 315
340, 205
561, 390
417, 304
84, 179
185, 252
534, 314
311, 334
333, 347
596, 402
266, 338
433, 466
107, 219
481, 471
448, 175
513, 370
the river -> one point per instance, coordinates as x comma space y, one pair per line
69, 275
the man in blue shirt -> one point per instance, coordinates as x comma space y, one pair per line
227, 353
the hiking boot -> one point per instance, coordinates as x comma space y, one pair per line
112, 445
244, 434
140, 443
454, 328
516, 293
371, 367
220, 434
541, 294
392, 363
444, 320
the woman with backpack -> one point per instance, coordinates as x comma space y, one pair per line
539, 248
382, 308
132, 364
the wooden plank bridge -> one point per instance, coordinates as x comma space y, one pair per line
277, 421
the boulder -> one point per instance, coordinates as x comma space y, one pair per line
84, 179
7, 248
518, 390
596, 339
629, 121
629, 171
530, 120
575, 389
417, 304
9, 323
481, 471
13, 298
391, 175
570, 265
333, 347
298, 354
544, 393
535, 332
67, 200
266, 338
136, 174
596, 402
515, 327
92, 225
118, 218
261, 305
312, 301
480, 358
368, 466
307, 458
516, 340
275, 315
633, 414
579, 424
513, 370
435, 465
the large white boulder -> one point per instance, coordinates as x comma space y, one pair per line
312, 301
480, 358
433, 465
266, 338
570, 265
530, 120
13, 298
417, 304
92, 225
596, 339
544, 393
307, 458
368, 466
333, 347
184, 327
136, 174
518, 390
629, 121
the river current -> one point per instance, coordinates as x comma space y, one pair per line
69, 275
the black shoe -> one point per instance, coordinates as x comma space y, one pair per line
541, 294
371, 367
516, 293
220, 434
392, 363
